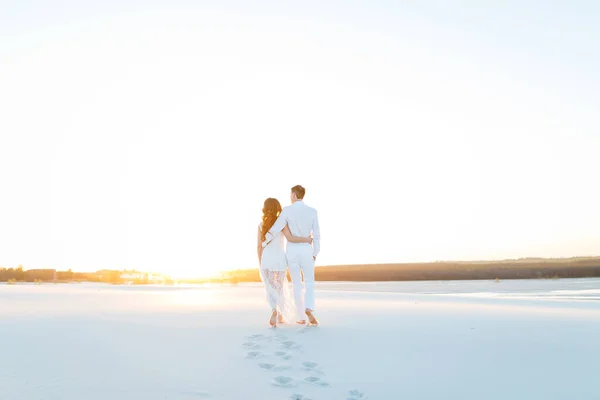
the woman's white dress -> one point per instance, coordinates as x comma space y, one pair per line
273, 272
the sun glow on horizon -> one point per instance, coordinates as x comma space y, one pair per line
148, 139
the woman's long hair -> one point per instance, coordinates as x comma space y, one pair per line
271, 211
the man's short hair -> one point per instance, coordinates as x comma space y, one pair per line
299, 191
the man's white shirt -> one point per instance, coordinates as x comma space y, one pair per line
302, 221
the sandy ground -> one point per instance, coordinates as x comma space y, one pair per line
429, 340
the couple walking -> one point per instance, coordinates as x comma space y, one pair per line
300, 226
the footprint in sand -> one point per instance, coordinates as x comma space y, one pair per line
356, 395
290, 344
313, 380
308, 328
251, 345
308, 365
299, 397
312, 367
275, 368
283, 381
253, 355
266, 366
255, 337
283, 355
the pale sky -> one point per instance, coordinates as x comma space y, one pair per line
148, 134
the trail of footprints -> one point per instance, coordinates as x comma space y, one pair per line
287, 353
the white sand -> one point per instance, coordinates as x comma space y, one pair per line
509, 340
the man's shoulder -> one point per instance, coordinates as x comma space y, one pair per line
312, 209
299, 207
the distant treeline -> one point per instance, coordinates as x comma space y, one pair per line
20, 274
44, 275
51, 275
509, 269
579, 267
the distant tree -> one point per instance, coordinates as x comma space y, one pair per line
114, 277
19, 273
9, 274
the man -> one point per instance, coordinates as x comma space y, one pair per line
302, 221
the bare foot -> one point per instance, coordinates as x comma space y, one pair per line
273, 320
301, 322
311, 317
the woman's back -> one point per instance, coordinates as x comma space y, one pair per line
273, 254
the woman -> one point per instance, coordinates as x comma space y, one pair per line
273, 262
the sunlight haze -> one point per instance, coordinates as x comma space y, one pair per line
147, 135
